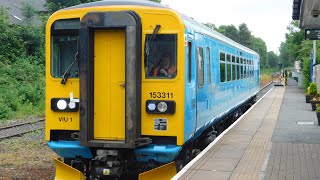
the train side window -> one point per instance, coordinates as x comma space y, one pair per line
209, 65
228, 67
200, 67
241, 68
234, 70
244, 68
222, 67
189, 61
238, 68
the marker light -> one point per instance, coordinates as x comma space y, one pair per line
72, 105
62, 104
162, 107
151, 106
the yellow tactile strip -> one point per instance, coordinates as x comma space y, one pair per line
241, 153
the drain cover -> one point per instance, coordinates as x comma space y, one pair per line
305, 123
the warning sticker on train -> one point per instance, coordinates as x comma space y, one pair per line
161, 124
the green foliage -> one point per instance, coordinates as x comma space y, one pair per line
55, 5
318, 108
313, 89
273, 59
244, 37
22, 79
269, 71
158, 1
28, 12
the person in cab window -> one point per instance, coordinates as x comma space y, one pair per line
165, 68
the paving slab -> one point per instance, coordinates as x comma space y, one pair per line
241, 152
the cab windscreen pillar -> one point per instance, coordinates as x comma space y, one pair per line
110, 80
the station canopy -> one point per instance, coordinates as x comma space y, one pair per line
307, 12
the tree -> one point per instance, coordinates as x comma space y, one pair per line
210, 25
55, 5
258, 45
28, 12
244, 35
158, 1
273, 59
230, 31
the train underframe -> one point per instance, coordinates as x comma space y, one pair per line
121, 163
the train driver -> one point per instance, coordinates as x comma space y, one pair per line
165, 67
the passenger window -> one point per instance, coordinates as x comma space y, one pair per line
189, 54
209, 65
200, 67
228, 67
222, 67
244, 68
234, 70
241, 68
238, 68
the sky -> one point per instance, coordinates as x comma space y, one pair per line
267, 19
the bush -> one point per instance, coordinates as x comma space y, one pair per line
313, 89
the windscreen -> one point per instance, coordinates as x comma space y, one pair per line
162, 58
64, 43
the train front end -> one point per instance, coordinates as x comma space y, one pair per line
114, 88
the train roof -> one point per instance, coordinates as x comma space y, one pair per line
189, 21
208, 31
120, 2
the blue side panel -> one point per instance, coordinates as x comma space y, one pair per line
159, 153
215, 99
70, 149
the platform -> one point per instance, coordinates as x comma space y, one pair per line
278, 138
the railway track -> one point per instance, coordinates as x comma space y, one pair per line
20, 128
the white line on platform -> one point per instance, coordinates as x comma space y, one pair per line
305, 123
186, 167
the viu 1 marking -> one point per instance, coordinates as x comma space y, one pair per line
65, 119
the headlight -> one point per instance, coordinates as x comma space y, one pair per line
151, 106
64, 105
162, 107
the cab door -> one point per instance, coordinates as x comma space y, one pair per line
109, 89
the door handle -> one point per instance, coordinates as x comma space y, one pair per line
123, 85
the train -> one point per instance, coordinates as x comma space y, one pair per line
132, 85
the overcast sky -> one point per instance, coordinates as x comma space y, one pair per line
267, 19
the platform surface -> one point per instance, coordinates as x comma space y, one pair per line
267, 143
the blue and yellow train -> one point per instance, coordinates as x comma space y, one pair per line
132, 84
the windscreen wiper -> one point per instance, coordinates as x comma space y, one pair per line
66, 74
148, 44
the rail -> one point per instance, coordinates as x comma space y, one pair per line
21, 128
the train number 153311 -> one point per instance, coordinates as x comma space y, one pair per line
161, 95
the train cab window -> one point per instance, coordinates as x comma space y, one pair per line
200, 67
209, 65
228, 67
222, 67
64, 43
234, 70
161, 56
